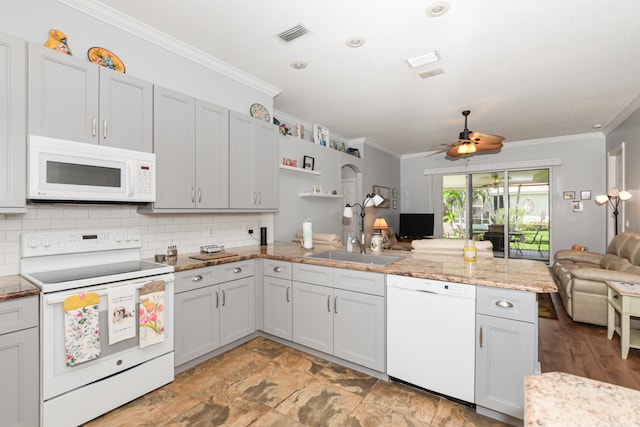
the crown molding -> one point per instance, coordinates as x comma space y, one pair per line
126, 23
622, 116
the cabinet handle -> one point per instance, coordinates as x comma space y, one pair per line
504, 304
104, 128
277, 269
335, 305
615, 296
196, 278
217, 300
93, 126
329, 303
237, 270
199, 195
224, 299
288, 300
480, 336
193, 194
255, 197
259, 197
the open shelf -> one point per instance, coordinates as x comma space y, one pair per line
299, 170
326, 196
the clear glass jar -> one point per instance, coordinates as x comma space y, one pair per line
349, 242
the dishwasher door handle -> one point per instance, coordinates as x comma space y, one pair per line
427, 292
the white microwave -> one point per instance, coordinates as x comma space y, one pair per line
60, 170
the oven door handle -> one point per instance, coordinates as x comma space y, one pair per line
53, 299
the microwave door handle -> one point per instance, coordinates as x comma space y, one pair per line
129, 182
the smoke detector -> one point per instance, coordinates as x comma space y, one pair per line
437, 9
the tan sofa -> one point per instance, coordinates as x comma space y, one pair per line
580, 276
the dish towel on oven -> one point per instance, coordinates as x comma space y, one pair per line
151, 318
121, 301
81, 328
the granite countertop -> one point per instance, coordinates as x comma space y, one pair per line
561, 399
526, 275
15, 286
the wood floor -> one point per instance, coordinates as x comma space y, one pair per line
584, 350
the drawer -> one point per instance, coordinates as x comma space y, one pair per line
237, 270
17, 314
315, 274
274, 268
359, 281
507, 303
196, 278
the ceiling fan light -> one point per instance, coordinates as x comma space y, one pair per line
466, 149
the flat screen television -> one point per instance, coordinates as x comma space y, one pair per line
416, 225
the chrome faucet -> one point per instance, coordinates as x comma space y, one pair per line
360, 244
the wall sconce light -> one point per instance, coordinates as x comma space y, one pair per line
369, 200
614, 197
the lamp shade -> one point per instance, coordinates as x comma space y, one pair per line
624, 195
347, 212
380, 224
374, 200
601, 199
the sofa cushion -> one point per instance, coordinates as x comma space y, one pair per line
618, 242
613, 262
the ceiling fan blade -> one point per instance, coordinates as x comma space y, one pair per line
488, 147
485, 137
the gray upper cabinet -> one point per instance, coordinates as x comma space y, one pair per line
191, 140
253, 152
12, 125
71, 98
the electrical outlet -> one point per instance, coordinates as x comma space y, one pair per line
249, 228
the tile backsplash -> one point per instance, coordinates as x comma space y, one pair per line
187, 231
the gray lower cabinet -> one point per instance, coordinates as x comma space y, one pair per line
191, 143
340, 312
212, 308
19, 363
71, 98
13, 177
506, 348
253, 163
278, 298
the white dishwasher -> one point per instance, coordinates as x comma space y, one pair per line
431, 335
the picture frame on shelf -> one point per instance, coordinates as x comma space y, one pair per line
341, 147
321, 135
383, 192
585, 195
569, 195
308, 163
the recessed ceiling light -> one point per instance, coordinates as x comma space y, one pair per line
597, 126
424, 59
299, 65
355, 41
437, 9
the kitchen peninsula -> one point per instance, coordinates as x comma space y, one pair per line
523, 275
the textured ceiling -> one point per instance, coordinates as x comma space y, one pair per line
525, 69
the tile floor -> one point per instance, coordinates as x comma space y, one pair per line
264, 383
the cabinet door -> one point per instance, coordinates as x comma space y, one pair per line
359, 328
197, 324
313, 316
278, 311
19, 367
13, 174
237, 310
212, 156
504, 356
63, 95
242, 164
266, 143
126, 111
174, 145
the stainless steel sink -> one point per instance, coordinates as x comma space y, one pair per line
356, 257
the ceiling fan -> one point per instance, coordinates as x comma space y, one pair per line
469, 142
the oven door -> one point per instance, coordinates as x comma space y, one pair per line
58, 378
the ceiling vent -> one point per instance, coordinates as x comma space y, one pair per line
293, 33
431, 73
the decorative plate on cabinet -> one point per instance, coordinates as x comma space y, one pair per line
259, 111
105, 58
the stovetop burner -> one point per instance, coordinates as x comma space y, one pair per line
144, 268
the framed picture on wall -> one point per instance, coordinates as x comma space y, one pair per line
576, 206
585, 195
569, 195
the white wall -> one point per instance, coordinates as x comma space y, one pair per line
629, 133
324, 213
582, 167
